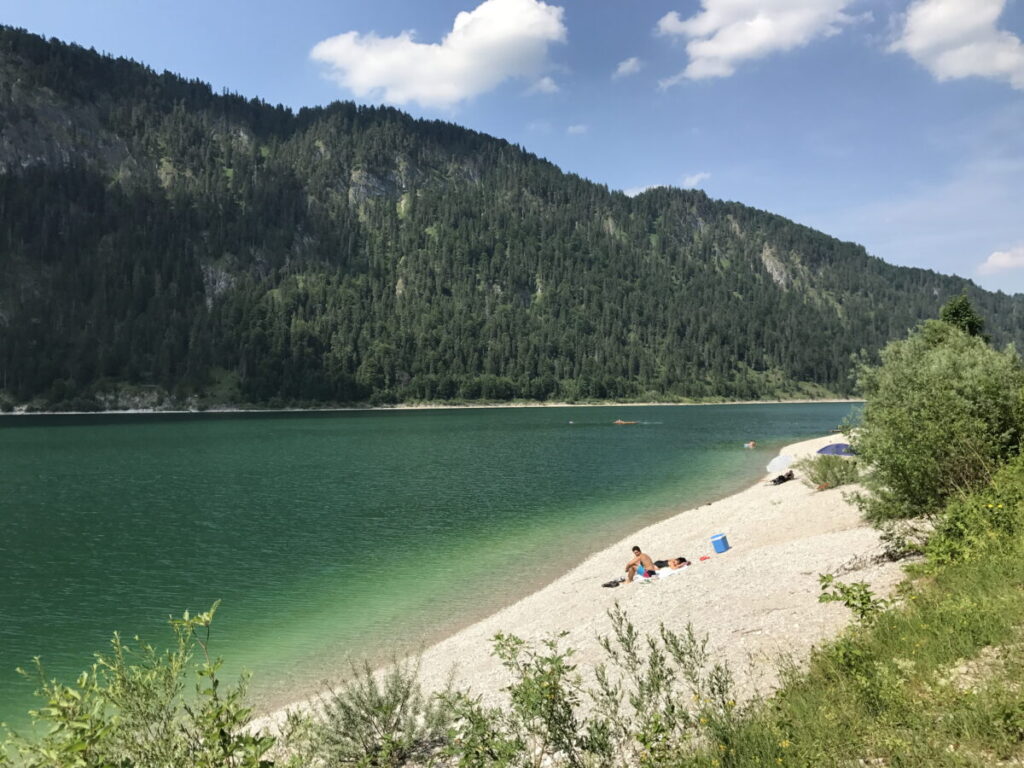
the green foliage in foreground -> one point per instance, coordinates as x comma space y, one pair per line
385, 721
943, 412
980, 524
131, 709
656, 697
826, 471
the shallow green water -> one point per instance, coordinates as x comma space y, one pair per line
331, 536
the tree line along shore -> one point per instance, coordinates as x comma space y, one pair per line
924, 675
430, 405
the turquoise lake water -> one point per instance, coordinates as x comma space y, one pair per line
333, 536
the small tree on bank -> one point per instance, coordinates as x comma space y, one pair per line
943, 412
132, 708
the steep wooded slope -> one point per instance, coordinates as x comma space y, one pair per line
152, 232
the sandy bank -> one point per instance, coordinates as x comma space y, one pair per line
756, 601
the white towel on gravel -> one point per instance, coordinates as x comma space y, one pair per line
664, 573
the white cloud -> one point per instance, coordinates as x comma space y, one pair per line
1003, 261
577, 130
954, 39
544, 85
628, 67
695, 180
726, 33
498, 40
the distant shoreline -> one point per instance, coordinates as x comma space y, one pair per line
417, 407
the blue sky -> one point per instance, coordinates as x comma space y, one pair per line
898, 124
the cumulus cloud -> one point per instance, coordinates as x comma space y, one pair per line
496, 41
577, 130
726, 33
954, 39
695, 180
545, 85
1003, 261
628, 67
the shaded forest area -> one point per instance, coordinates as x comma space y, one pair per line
155, 234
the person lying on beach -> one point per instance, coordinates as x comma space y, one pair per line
783, 478
640, 565
678, 562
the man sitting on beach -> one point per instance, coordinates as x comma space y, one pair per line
640, 565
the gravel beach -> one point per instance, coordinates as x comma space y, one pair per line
755, 602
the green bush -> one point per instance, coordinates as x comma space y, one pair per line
979, 523
943, 412
655, 698
385, 721
858, 597
130, 709
825, 471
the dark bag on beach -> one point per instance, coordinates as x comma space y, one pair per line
612, 583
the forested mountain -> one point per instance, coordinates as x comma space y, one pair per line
155, 233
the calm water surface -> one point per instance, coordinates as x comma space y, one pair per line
333, 536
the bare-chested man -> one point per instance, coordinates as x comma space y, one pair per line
639, 565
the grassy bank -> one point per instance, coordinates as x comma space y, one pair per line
932, 682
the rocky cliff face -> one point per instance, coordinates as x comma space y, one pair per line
39, 128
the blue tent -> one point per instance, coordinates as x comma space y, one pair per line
837, 449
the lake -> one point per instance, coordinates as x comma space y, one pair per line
334, 536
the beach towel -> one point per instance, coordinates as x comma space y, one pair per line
666, 572
663, 574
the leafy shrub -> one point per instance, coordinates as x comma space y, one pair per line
943, 411
858, 597
654, 698
541, 725
385, 721
975, 524
130, 708
825, 471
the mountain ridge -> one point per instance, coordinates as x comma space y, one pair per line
158, 234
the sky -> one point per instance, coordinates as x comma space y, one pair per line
897, 124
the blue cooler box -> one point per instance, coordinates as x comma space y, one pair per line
720, 543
